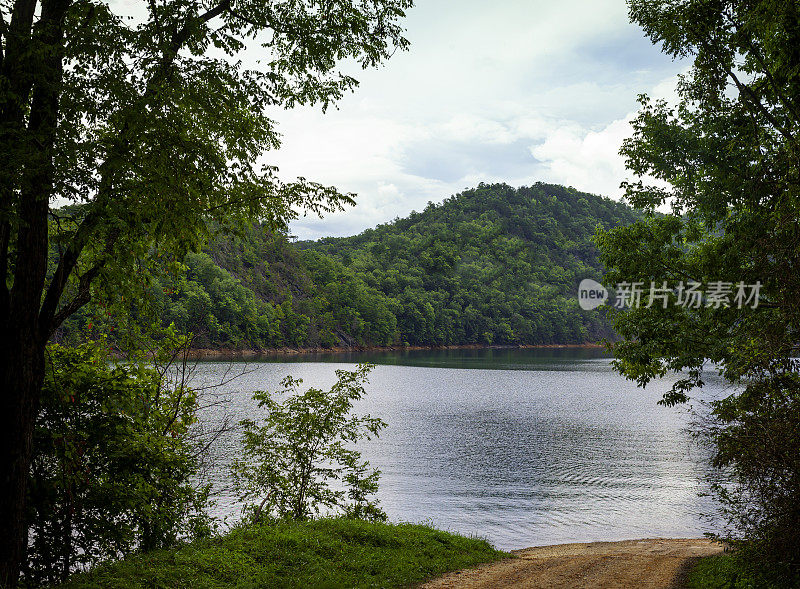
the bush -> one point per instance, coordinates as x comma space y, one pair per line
291, 461
113, 464
728, 571
755, 435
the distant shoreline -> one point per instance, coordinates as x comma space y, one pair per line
228, 354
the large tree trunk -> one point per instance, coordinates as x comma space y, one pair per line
22, 371
23, 332
22, 374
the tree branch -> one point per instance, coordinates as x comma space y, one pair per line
82, 235
762, 62
181, 36
16, 56
84, 296
36, 182
754, 100
65, 268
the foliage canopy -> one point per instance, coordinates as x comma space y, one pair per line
729, 157
116, 462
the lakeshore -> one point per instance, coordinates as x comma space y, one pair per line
253, 354
505, 444
359, 554
659, 563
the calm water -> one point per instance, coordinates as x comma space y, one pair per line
523, 447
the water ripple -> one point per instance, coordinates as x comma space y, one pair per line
533, 455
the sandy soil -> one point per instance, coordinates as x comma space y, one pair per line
658, 563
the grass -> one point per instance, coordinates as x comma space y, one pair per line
719, 571
725, 571
325, 553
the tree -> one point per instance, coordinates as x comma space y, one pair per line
730, 159
292, 461
150, 125
116, 460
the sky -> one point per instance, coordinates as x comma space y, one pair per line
507, 91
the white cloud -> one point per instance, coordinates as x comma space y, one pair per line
471, 127
589, 161
517, 91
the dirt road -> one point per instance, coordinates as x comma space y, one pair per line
637, 564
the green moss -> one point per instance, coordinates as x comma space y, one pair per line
326, 553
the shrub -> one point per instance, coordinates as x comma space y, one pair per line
755, 435
293, 460
113, 464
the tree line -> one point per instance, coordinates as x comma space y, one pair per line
491, 265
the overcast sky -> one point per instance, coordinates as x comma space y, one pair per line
513, 91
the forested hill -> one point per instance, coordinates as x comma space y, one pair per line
492, 265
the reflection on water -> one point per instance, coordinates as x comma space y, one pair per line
523, 447
483, 358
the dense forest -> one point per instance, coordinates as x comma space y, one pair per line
491, 265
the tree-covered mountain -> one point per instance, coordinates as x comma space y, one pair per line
491, 265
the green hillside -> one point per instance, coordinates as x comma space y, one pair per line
492, 265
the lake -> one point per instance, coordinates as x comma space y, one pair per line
522, 447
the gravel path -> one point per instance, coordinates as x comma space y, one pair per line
658, 563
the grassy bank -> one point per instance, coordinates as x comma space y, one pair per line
720, 571
725, 571
326, 553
